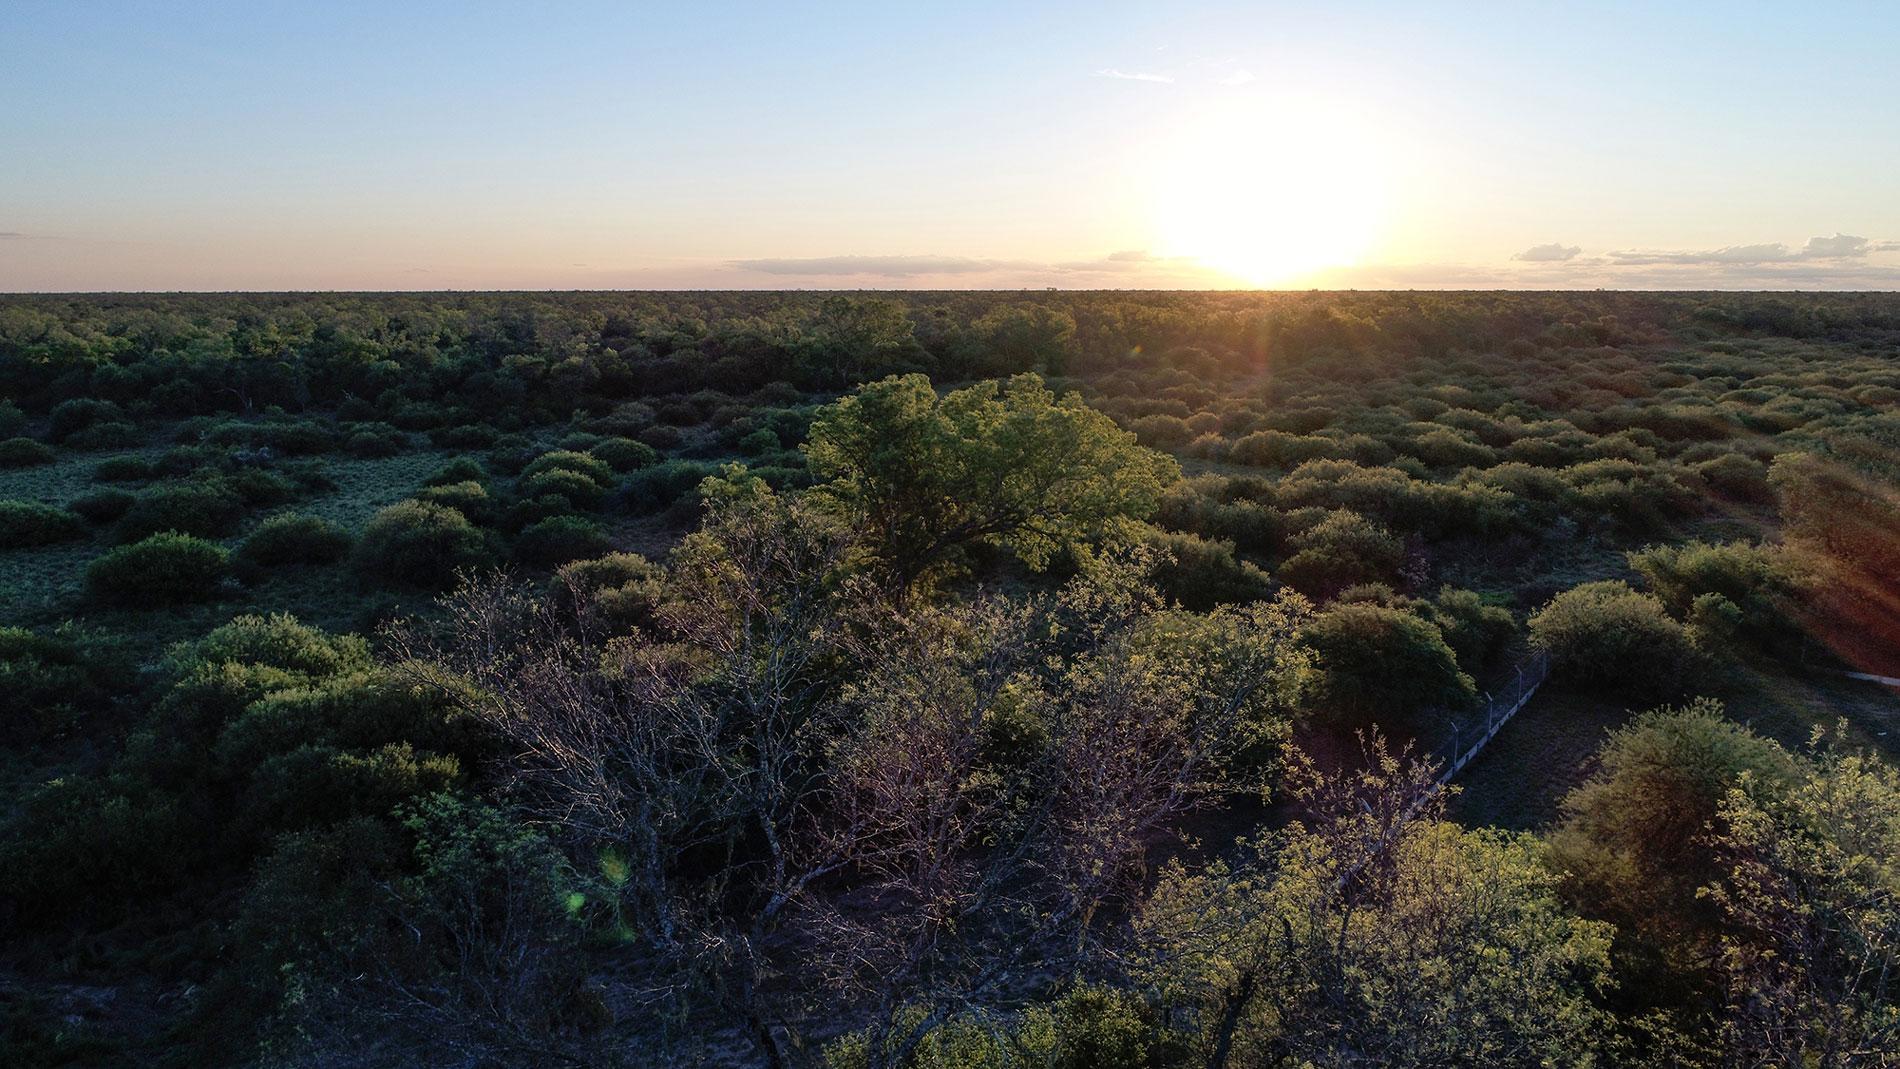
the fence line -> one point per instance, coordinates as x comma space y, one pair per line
1497, 712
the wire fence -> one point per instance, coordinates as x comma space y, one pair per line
1465, 735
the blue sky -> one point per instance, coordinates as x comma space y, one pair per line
261, 145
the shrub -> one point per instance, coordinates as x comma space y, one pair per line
30, 523
71, 417
625, 454
763, 440
1631, 840
1379, 660
1754, 579
257, 486
594, 468
103, 506
204, 507
1446, 448
1735, 476
580, 490
1606, 635
114, 434
12, 420
459, 470
1341, 550
289, 539
559, 539
661, 436
471, 499
44, 683
24, 453
1201, 574
661, 486
1278, 449
123, 470
420, 544
465, 436
623, 588
376, 440
1475, 631
164, 568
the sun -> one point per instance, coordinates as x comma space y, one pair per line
1271, 191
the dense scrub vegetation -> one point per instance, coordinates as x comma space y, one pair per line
951, 680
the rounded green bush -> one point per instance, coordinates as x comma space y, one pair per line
596, 469
123, 470
420, 544
559, 539
203, 507
1377, 660
114, 434
1608, 636
289, 539
580, 490
165, 568
30, 523
459, 470
625, 454
70, 417
24, 453
103, 506
468, 498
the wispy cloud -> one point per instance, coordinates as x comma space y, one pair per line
881, 266
10, 234
1135, 76
1239, 77
1838, 247
1125, 268
1555, 252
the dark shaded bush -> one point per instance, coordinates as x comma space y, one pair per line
123, 470
24, 453
1201, 574
114, 434
45, 684
596, 469
624, 454
1606, 636
622, 589
1476, 631
162, 569
580, 490
30, 523
459, 470
204, 507
103, 506
290, 539
471, 499
258, 486
464, 436
420, 545
70, 417
375, 440
1378, 661
659, 487
559, 539
1341, 550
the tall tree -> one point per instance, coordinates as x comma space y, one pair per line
1005, 464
